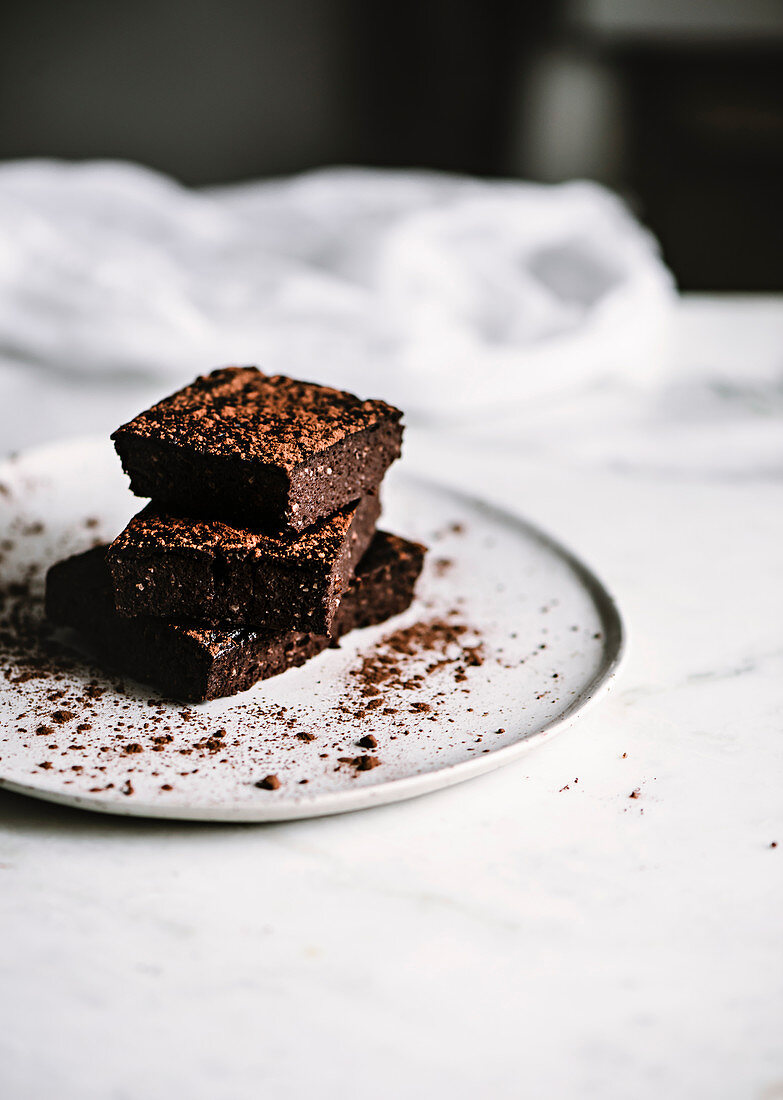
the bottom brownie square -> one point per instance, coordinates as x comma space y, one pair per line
195, 663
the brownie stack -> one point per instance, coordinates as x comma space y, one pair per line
259, 548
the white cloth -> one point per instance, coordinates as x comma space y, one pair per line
443, 294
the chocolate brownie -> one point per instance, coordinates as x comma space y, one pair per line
209, 572
264, 451
198, 663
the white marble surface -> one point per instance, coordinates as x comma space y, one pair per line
505, 938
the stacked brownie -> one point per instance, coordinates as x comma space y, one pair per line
259, 548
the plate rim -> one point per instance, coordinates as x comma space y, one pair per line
614, 654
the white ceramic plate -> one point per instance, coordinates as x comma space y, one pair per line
549, 638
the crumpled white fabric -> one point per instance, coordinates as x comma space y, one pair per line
443, 294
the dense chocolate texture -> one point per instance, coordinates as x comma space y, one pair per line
265, 451
198, 663
208, 572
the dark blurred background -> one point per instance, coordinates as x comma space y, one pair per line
676, 103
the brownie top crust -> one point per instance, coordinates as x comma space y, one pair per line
153, 529
241, 413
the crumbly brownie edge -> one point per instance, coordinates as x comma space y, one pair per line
210, 586
186, 481
249, 492
354, 548
244, 665
383, 585
348, 470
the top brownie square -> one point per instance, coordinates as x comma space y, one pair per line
240, 445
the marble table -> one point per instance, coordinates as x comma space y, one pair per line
521, 935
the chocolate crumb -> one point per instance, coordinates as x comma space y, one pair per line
635, 793
268, 783
364, 763
368, 742
127, 787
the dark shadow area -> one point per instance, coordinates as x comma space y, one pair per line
22, 813
705, 154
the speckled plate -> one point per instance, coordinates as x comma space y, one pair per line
510, 636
